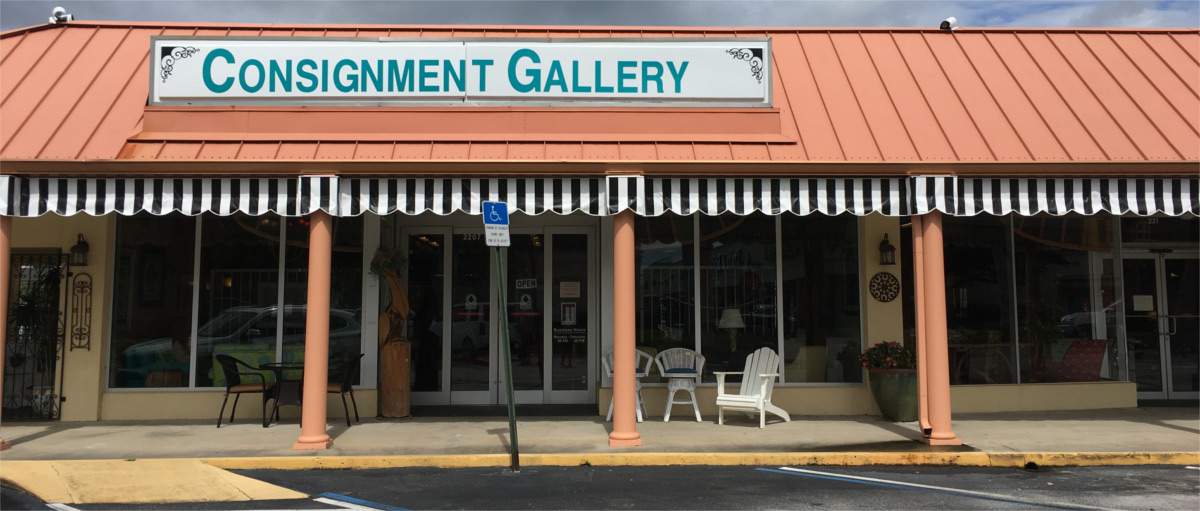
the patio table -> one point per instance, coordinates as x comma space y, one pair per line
285, 391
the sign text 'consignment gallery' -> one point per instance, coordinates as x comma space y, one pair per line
733, 72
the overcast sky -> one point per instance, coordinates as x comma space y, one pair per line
1156, 13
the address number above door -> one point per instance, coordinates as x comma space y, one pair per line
734, 72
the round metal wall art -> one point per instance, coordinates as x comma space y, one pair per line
884, 286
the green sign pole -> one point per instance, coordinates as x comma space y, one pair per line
500, 270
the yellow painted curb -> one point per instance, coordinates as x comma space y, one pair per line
969, 459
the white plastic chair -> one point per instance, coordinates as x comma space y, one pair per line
682, 369
642, 370
754, 395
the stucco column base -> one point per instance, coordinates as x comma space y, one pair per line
312, 443
616, 439
953, 440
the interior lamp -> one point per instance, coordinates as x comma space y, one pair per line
731, 320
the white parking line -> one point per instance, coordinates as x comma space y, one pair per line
60, 507
345, 505
943, 489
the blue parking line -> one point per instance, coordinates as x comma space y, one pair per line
360, 502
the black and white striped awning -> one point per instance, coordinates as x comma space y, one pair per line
444, 196
653, 196
1027, 196
67, 196
644, 195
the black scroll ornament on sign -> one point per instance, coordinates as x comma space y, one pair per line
169, 54
884, 287
754, 56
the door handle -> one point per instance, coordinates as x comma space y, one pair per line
1171, 325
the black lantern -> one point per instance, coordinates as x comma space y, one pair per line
887, 252
79, 252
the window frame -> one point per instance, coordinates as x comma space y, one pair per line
367, 325
696, 297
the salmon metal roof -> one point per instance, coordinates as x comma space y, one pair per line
73, 98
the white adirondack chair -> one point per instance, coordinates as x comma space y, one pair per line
641, 370
758, 380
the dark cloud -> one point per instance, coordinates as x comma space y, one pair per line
16, 13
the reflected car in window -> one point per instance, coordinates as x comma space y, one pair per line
248, 334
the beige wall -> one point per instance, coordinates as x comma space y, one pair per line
1042, 396
82, 377
204, 405
856, 399
881, 321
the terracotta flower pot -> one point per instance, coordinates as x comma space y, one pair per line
895, 392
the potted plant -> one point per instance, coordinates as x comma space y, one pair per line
893, 375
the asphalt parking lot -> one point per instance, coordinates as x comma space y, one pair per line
700, 487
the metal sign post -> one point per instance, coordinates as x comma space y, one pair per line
495, 225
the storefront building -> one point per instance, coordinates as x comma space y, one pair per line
1020, 205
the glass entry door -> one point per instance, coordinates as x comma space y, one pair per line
551, 325
1162, 323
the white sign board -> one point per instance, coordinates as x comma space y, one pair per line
495, 224
733, 72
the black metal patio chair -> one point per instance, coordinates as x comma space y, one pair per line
231, 369
346, 374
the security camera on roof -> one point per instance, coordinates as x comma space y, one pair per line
950, 23
60, 15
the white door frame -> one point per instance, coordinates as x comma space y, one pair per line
1163, 321
524, 397
441, 396
1168, 325
593, 345
546, 395
470, 397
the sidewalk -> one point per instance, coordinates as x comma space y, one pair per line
158, 462
1125, 430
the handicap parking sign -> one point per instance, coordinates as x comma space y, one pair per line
495, 224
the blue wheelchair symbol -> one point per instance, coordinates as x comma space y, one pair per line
495, 213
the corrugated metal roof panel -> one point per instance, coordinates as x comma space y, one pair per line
78, 91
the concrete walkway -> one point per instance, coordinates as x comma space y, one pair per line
1124, 430
140, 481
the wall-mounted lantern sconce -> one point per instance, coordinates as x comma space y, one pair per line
887, 252
79, 252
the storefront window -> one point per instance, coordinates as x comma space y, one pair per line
979, 299
737, 289
152, 302
1065, 298
821, 330
665, 283
345, 300
239, 293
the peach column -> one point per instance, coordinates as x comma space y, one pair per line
5, 245
919, 316
624, 432
937, 373
316, 335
